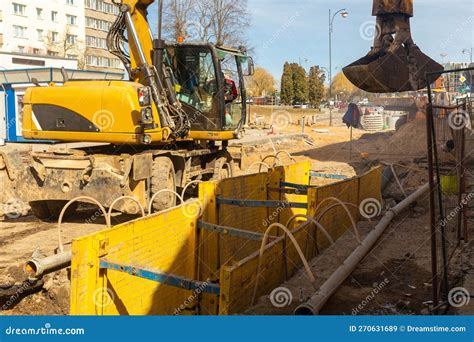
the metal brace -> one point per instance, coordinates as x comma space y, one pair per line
162, 277
328, 176
232, 231
261, 204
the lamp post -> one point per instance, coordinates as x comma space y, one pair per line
344, 14
469, 51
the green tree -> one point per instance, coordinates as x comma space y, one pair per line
287, 87
300, 84
316, 80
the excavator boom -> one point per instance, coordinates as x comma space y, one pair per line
395, 63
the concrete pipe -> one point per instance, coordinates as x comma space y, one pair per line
319, 299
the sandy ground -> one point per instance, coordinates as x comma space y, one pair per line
402, 256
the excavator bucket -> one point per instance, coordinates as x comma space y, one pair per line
392, 72
395, 63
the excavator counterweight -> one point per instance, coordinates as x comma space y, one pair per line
395, 63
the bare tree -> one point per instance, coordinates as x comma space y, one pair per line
64, 46
228, 20
223, 22
178, 14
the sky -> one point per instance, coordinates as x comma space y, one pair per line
297, 31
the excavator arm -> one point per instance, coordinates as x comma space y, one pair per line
132, 28
133, 20
395, 63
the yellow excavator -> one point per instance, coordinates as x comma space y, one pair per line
168, 125
171, 123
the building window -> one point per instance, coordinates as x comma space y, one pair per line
39, 13
19, 31
98, 24
52, 53
95, 42
19, 9
72, 56
101, 6
40, 35
103, 62
21, 49
91, 60
71, 39
71, 19
54, 37
36, 51
70, 2
54, 16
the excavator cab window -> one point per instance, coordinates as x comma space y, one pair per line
198, 85
210, 85
233, 88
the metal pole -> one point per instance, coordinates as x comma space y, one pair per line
444, 253
434, 254
465, 202
350, 151
330, 68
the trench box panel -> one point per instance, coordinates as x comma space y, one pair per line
237, 280
164, 242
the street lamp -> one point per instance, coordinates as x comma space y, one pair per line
344, 14
469, 51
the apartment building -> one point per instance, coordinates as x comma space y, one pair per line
64, 29
43, 28
99, 17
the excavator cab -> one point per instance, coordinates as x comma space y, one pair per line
395, 63
209, 84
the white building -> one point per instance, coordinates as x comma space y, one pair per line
11, 60
43, 27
